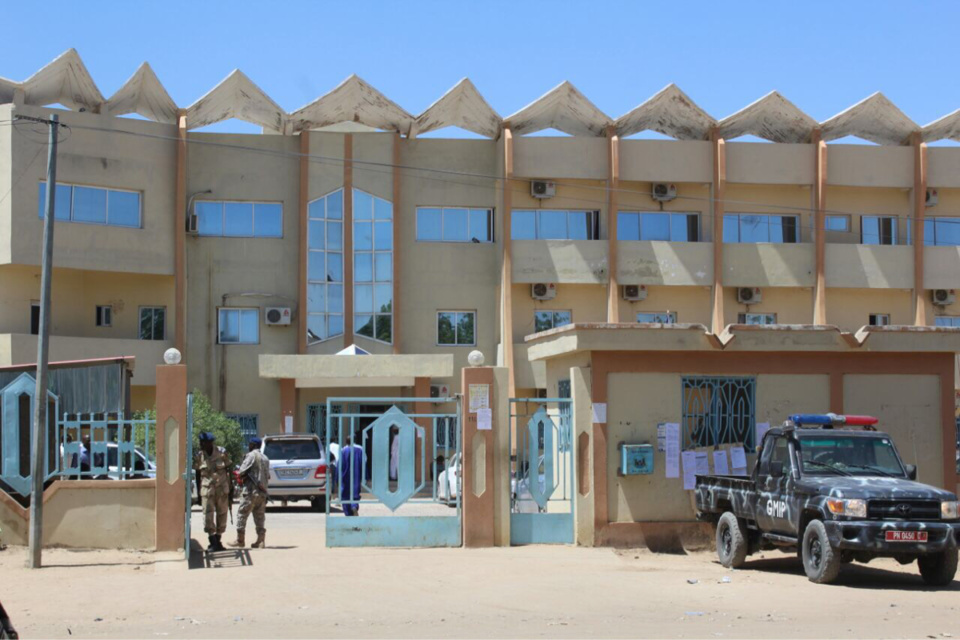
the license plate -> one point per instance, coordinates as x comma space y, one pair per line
906, 536
289, 473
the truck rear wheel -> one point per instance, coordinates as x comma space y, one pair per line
731, 541
821, 562
938, 569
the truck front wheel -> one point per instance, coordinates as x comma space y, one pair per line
938, 569
821, 562
731, 541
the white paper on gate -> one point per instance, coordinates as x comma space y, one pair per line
689, 459
673, 450
662, 437
599, 413
703, 463
720, 466
762, 428
484, 419
738, 460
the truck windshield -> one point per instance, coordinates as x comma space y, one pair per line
306, 449
849, 455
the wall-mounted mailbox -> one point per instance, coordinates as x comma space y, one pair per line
635, 459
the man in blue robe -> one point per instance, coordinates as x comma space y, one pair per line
350, 467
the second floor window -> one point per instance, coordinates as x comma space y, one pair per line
757, 318
878, 230
544, 224
152, 323
752, 227
104, 316
545, 320
456, 328
239, 219
454, 224
674, 227
879, 319
657, 317
941, 232
947, 321
325, 267
838, 223
93, 205
372, 266
238, 326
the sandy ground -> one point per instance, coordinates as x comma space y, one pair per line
297, 588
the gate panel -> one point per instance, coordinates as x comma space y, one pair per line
402, 491
542, 473
188, 476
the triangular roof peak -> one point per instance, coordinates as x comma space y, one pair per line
236, 96
874, 118
353, 350
563, 108
65, 80
670, 112
772, 117
353, 100
144, 95
461, 106
945, 128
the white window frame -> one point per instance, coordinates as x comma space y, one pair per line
223, 218
745, 315
490, 224
671, 315
373, 257
326, 313
472, 312
640, 213
152, 322
101, 308
240, 311
107, 223
595, 222
873, 316
835, 216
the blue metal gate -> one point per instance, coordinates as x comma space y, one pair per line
383, 469
16, 434
541, 478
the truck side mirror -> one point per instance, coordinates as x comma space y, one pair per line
912, 471
776, 469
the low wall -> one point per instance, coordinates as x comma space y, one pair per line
89, 514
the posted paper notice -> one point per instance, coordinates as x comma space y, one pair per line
599, 413
689, 459
703, 463
738, 460
720, 466
479, 397
484, 419
673, 450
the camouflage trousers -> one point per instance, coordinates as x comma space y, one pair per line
255, 501
216, 503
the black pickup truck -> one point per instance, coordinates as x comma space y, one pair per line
832, 494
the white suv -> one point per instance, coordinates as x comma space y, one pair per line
298, 468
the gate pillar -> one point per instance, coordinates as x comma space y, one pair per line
171, 455
479, 424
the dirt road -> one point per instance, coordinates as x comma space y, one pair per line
297, 588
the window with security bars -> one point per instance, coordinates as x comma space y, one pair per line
566, 416
718, 411
317, 420
249, 424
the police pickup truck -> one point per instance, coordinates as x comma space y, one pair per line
832, 494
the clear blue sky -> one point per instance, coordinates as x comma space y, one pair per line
824, 56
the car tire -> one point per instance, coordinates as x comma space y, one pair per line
938, 569
821, 562
731, 541
319, 504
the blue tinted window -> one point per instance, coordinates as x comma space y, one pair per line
89, 205
480, 225
942, 232
429, 225
454, 224
62, 203
878, 230
324, 267
238, 219
92, 205
628, 225
546, 224
239, 326
753, 227
373, 264
123, 208
523, 225
655, 226
244, 219
209, 218
657, 317
268, 220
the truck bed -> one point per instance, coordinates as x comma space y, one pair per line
716, 494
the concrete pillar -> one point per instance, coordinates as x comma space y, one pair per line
171, 437
717, 321
478, 454
613, 185
820, 227
288, 404
583, 455
920, 311
180, 239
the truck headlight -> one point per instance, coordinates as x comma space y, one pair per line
948, 510
854, 508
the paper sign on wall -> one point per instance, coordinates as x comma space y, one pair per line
673, 449
738, 460
599, 413
479, 397
661, 437
484, 419
762, 428
703, 463
689, 459
288, 424
720, 466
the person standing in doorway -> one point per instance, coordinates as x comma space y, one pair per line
214, 467
254, 474
350, 465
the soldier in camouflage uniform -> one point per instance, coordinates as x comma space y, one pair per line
214, 467
255, 473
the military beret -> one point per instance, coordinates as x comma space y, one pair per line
207, 436
256, 442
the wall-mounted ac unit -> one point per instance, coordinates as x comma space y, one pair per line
634, 292
943, 297
439, 391
542, 189
277, 316
543, 291
192, 228
932, 197
749, 295
663, 192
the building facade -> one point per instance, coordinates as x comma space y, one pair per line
351, 228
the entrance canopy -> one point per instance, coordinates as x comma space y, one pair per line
360, 370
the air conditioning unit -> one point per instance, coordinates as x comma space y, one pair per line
748, 295
634, 292
439, 391
943, 297
663, 192
543, 291
932, 197
543, 189
277, 316
192, 224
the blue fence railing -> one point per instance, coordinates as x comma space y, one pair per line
98, 446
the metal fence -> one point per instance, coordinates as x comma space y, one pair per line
718, 411
98, 446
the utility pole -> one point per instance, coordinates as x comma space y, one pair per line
38, 469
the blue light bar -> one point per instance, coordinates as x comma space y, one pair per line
816, 418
